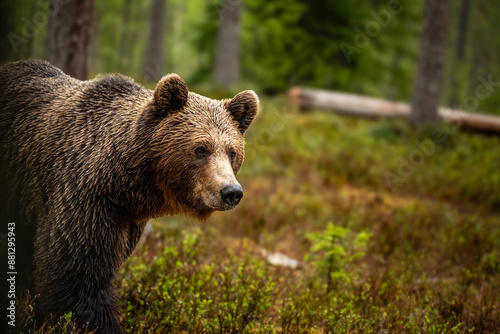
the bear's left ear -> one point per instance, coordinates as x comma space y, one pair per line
243, 107
170, 95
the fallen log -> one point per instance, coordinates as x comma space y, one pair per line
357, 105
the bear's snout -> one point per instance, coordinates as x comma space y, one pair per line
231, 194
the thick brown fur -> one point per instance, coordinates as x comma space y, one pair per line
85, 164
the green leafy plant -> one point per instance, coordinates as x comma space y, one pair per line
332, 250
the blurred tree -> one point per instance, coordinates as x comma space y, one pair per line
154, 52
68, 36
204, 40
428, 80
486, 65
124, 35
6, 31
283, 43
19, 24
227, 53
459, 54
299, 42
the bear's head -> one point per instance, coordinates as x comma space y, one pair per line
198, 147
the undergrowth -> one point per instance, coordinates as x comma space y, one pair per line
415, 253
418, 256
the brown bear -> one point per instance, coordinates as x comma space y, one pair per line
85, 164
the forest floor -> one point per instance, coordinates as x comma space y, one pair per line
392, 234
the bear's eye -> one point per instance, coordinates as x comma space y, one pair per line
232, 156
201, 152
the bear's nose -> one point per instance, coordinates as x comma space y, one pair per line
231, 194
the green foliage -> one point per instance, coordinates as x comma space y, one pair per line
63, 325
364, 153
180, 291
330, 253
300, 43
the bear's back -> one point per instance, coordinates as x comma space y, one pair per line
31, 77
51, 123
31, 90
26, 68
27, 86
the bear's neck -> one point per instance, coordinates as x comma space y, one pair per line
140, 179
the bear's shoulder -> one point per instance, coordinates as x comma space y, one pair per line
110, 92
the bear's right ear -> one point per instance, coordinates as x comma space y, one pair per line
170, 95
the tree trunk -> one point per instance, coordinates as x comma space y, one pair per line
68, 36
154, 55
479, 48
459, 50
227, 52
124, 53
427, 86
463, 23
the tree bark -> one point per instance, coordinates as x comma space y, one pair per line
459, 50
68, 36
428, 81
154, 55
227, 52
